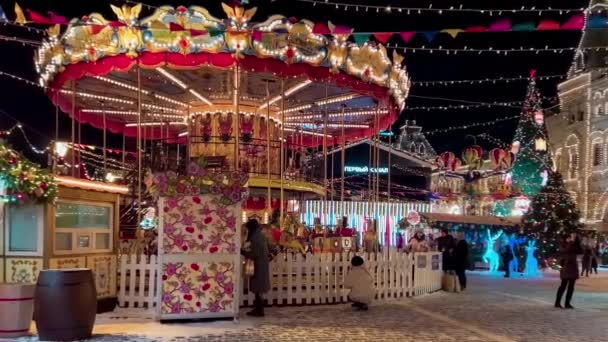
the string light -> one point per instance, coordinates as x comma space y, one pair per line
328, 125
156, 124
121, 84
98, 97
200, 97
336, 114
408, 10
288, 92
483, 80
172, 78
471, 125
492, 50
469, 106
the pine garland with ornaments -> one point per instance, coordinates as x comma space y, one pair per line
22, 181
552, 214
530, 145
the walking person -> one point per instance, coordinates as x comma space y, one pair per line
595, 253
256, 249
507, 256
461, 260
586, 261
571, 248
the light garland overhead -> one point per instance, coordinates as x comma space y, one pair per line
492, 50
465, 106
471, 125
389, 9
483, 80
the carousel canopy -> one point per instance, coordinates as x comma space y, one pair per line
193, 63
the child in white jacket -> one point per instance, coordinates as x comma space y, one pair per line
360, 283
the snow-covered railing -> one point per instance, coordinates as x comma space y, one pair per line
310, 279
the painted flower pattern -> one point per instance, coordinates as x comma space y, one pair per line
197, 287
188, 228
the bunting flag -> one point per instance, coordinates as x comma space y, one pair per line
406, 36
548, 24
173, 27
575, 23
58, 19
196, 33
320, 28
475, 29
95, 29
500, 25
19, 16
38, 18
361, 39
452, 32
525, 27
383, 37
429, 35
597, 22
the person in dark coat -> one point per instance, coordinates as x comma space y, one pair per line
507, 256
257, 250
595, 252
445, 245
586, 261
571, 248
461, 260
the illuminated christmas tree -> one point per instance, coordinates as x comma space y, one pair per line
532, 162
552, 214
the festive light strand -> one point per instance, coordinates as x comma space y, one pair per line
471, 125
389, 9
462, 106
492, 50
483, 80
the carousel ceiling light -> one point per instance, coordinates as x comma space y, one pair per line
328, 125
121, 84
289, 92
165, 109
175, 123
307, 132
170, 100
172, 78
182, 134
98, 97
110, 112
200, 97
336, 99
297, 109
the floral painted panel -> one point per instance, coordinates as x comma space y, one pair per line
199, 287
199, 224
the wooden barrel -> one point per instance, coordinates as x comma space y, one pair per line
65, 304
16, 308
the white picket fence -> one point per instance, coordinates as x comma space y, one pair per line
297, 280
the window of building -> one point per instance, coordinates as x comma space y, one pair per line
83, 227
25, 227
558, 162
598, 154
573, 167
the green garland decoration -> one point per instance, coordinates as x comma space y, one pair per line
24, 181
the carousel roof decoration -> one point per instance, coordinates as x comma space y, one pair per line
186, 56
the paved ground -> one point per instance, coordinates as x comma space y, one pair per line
492, 309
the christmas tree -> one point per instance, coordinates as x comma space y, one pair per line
530, 145
552, 214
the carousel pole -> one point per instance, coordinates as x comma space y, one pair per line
139, 154
188, 148
53, 156
282, 135
331, 175
268, 127
73, 166
390, 152
103, 114
324, 140
377, 156
342, 158
124, 145
237, 134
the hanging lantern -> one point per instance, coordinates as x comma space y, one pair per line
539, 117
496, 156
540, 144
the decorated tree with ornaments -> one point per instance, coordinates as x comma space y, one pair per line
532, 161
551, 215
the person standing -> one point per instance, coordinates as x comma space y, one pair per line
445, 245
461, 260
257, 250
595, 253
586, 261
507, 256
570, 249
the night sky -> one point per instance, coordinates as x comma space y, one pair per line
30, 105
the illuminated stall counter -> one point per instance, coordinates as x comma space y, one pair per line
78, 230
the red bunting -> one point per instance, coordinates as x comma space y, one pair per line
320, 28
383, 37
475, 29
173, 27
95, 29
58, 19
574, 23
548, 24
406, 36
256, 36
116, 24
196, 33
501, 25
38, 18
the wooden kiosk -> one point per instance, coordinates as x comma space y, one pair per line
78, 231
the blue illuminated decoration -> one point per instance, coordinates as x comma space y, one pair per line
490, 256
365, 169
386, 134
531, 261
514, 241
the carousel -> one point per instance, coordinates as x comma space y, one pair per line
229, 115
